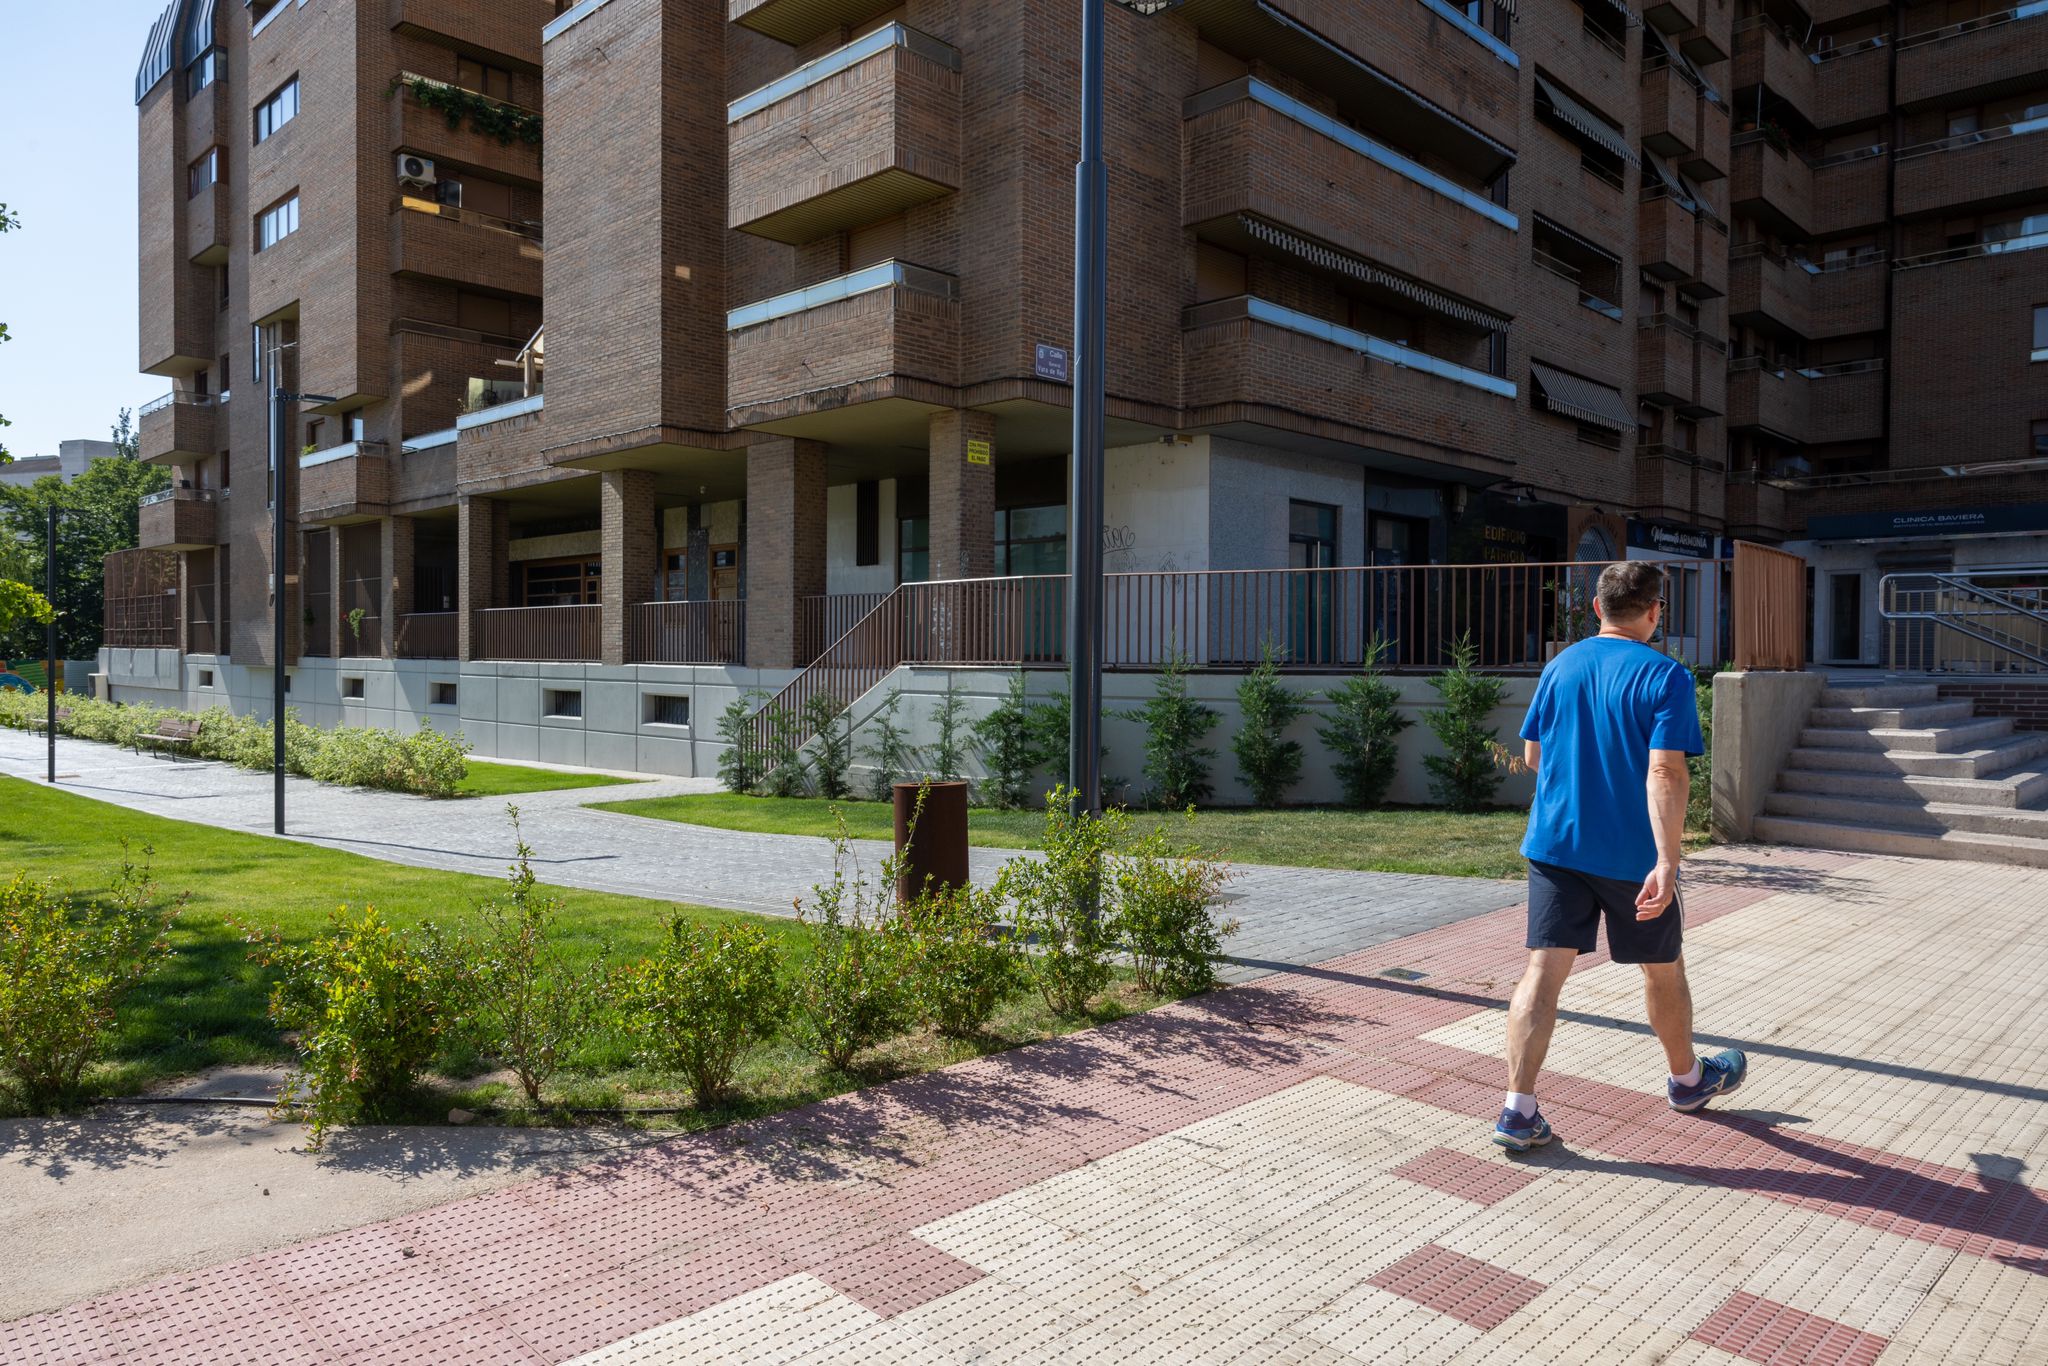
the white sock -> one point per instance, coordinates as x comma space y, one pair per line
1522, 1105
1691, 1078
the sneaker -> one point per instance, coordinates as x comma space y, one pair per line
1518, 1134
1719, 1075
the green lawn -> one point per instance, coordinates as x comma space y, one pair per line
207, 1007
1417, 840
487, 779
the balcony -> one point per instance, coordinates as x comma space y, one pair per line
1846, 402
1766, 55
1672, 16
1991, 164
207, 216
1248, 148
1245, 359
1755, 508
1771, 399
176, 429
861, 133
1848, 190
1849, 300
1773, 183
177, 519
1772, 292
1849, 83
797, 22
464, 247
416, 128
350, 483
2009, 46
1668, 236
514, 30
889, 331
1678, 366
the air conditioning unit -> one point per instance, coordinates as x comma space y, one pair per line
415, 170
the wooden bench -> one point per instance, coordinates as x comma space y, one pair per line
177, 735
40, 721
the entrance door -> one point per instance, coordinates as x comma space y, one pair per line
1396, 604
1845, 617
725, 572
1311, 598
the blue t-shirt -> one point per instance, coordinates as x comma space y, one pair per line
1600, 708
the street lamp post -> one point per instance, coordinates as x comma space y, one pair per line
279, 421
50, 639
1091, 343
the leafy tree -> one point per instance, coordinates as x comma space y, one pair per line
1267, 761
1364, 730
1176, 760
1464, 777
1007, 741
97, 514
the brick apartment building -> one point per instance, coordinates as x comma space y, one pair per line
1408, 282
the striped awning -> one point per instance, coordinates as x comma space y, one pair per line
1677, 186
1583, 121
1582, 399
1585, 243
1628, 16
1338, 262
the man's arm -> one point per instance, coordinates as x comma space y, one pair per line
1669, 789
1532, 754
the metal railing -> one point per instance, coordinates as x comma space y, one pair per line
428, 635
2017, 128
687, 632
1973, 622
1982, 21
572, 633
176, 398
175, 494
827, 617
2023, 242
520, 227
141, 622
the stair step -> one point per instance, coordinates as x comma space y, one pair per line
1914, 716
1909, 815
1880, 695
1974, 734
1990, 761
2009, 790
1859, 837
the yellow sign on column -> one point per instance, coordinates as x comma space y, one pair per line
977, 452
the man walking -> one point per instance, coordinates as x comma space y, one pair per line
1607, 735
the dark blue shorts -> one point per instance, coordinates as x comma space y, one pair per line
1566, 907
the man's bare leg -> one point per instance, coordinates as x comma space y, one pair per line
1669, 1001
1532, 1015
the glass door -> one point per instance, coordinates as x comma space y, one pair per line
1311, 597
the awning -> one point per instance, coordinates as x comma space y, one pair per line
1584, 121
1698, 78
1628, 16
1675, 185
1551, 225
1364, 94
1339, 262
1582, 399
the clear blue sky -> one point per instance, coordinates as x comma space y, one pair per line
67, 166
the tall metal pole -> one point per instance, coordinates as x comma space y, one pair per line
277, 622
1091, 342
50, 639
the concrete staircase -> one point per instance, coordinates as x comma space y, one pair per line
1892, 769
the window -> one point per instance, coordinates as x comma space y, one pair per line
281, 108
1031, 540
224, 377
483, 313
663, 710
1312, 536
261, 12
1605, 438
565, 703
561, 583
276, 223
444, 695
204, 173
212, 66
484, 80
220, 287
2040, 332
867, 523
914, 550
675, 576
2040, 433
206, 678
1962, 121
489, 393
352, 687
1845, 616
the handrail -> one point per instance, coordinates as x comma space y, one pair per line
174, 494
1457, 19
886, 275
527, 229
407, 79
2027, 242
2017, 128
1291, 320
1982, 21
1971, 605
176, 398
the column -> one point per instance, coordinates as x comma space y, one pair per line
339, 642
480, 535
395, 566
785, 544
963, 494
631, 551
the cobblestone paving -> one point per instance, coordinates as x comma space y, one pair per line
1295, 1171
1289, 916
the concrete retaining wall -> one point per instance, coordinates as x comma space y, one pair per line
1757, 720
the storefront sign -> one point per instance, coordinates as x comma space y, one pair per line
1685, 541
1052, 363
1866, 526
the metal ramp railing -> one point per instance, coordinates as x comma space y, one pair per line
1966, 621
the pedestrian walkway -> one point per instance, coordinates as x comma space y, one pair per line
1295, 1171
1288, 915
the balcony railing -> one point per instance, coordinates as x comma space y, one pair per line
149, 622
1982, 21
427, 635
887, 275
1457, 19
843, 59
687, 633
1364, 343
1564, 270
1982, 135
2027, 242
568, 634
517, 227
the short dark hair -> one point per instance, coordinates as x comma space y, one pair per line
1629, 588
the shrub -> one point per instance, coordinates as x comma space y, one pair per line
1699, 807
1160, 895
66, 962
1267, 761
786, 770
1464, 777
1176, 761
701, 1002
947, 750
1364, 730
1008, 741
850, 994
958, 962
832, 755
740, 764
521, 1000
889, 755
366, 1000
1057, 905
